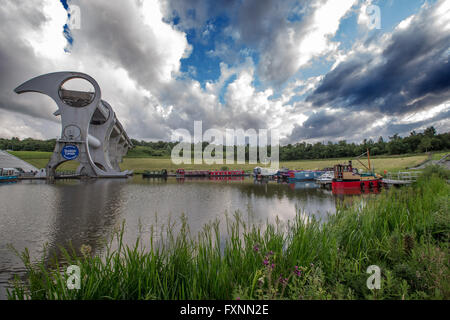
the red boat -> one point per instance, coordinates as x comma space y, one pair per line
227, 173
181, 173
347, 177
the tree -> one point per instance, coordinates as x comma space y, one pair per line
425, 144
430, 132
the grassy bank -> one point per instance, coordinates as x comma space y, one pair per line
380, 164
389, 163
403, 231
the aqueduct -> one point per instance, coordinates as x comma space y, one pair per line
90, 133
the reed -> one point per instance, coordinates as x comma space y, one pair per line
403, 231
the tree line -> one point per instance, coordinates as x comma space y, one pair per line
426, 141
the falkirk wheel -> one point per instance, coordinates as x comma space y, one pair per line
91, 133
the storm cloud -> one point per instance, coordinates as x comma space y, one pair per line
411, 73
136, 53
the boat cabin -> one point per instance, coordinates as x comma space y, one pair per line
346, 172
8, 172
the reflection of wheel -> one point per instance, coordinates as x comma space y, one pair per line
370, 185
362, 185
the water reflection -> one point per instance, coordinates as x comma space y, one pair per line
349, 196
36, 214
87, 212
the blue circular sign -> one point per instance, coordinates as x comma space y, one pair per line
69, 152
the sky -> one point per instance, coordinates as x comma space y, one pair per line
320, 70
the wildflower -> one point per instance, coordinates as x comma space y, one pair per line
238, 298
85, 250
270, 253
298, 271
282, 280
256, 248
261, 281
273, 265
266, 261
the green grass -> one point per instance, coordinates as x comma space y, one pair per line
140, 164
26, 155
403, 231
439, 155
380, 164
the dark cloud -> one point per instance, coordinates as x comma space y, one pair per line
356, 126
259, 21
137, 67
110, 30
439, 121
412, 72
261, 25
330, 126
15, 57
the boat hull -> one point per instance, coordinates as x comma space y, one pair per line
193, 174
5, 179
356, 184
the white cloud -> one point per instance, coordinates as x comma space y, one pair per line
363, 17
135, 55
299, 43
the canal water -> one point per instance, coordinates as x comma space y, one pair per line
34, 214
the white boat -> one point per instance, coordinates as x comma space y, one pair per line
264, 172
326, 178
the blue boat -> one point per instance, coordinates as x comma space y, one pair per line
304, 175
8, 175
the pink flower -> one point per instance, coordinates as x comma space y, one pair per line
282, 280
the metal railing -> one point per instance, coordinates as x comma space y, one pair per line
27, 174
404, 176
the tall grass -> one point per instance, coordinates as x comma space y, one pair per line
403, 231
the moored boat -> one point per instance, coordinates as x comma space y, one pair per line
227, 173
155, 174
305, 175
283, 174
8, 175
181, 173
259, 172
326, 178
347, 177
